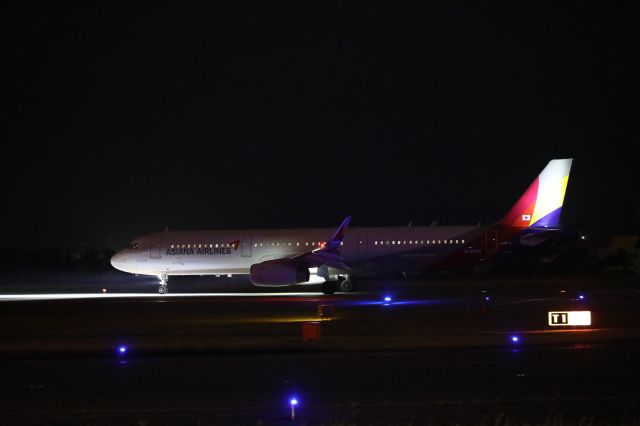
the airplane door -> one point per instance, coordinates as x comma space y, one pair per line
245, 245
492, 241
154, 251
363, 244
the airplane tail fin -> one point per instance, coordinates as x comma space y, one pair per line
541, 203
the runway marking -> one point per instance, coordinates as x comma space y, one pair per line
78, 296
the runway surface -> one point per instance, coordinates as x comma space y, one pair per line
430, 355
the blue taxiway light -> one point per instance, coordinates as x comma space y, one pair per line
515, 339
387, 299
487, 298
293, 402
581, 297
122, 350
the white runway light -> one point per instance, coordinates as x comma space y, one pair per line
72, 296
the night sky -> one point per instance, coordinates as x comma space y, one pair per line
124, 120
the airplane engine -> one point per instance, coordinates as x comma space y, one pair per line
278, 273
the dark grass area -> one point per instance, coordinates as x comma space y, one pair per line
550, 385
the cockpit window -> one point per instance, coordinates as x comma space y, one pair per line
133, 246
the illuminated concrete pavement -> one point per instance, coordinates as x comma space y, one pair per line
82, 323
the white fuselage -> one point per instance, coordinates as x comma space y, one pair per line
234, 251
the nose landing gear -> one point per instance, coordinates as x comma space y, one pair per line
163, 287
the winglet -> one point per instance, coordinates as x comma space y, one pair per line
336, 240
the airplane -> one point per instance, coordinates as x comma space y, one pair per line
332, 258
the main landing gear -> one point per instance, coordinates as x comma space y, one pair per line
163, 286
343, 284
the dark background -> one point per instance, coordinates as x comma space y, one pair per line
125, 119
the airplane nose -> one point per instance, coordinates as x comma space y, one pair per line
117, 260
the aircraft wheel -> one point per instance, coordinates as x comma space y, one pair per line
346, 286
329, 287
